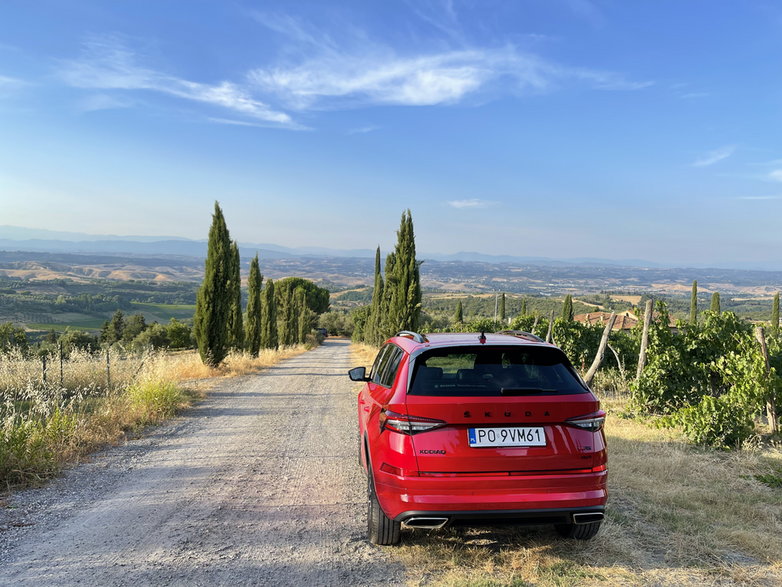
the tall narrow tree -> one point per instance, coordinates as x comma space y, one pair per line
458, 317
502, 307
269, 339
715, 302
303, 315
373, 327
523, 307
775, 315
254, 282
235, 322
694, 303
403, 282
567, 308
213, 302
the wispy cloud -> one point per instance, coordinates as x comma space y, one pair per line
10, 85
109, 65
104, 102
775, 175
715, 156
360, 72
363, 130
471, 203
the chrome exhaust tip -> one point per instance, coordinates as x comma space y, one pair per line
586, 518
428, 523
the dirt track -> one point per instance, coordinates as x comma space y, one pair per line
259, 484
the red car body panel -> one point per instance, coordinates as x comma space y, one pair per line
437, 471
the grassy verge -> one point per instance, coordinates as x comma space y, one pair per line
45, 427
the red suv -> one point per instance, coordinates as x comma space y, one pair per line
479, 428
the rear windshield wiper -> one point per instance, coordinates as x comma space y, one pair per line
526, 391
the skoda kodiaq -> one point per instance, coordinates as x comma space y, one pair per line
479, 428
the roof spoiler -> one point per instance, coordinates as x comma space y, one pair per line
419, 338
521, 334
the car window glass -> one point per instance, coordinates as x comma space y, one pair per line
388, 374
380, 362
494, 371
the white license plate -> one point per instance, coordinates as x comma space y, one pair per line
508, 436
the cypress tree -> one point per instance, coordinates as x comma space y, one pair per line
403, 282
235, 322
567, 308
269, 317
775, 315
694, 303
523, 307
302, 315
213, 302
715, 302
458, 317
373, 329
254, 283
502, 307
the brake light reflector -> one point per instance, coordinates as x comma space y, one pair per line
592, 422
407, 424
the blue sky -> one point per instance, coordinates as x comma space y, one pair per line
559, 128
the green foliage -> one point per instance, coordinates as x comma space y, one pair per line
213, 302
179, 335
360, 317
567, 308
78, 340
502, 308
694, 303
317, 297
235, 322
155, 337
402, 292
113, 329
254, 283
578, 341
336, 323
709, 378
373, 331
775, 315
458, 316
715, 302
12, 338
155, 399
134, 325
269, 338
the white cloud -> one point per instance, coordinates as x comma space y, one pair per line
363, 130
775, 175
321, 73
109, 65
471, 203
715, 156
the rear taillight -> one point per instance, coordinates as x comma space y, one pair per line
592, 422
407, 424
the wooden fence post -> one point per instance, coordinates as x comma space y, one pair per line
61, 373
550, 326
601, 350
108, 370
644, 338
43, 361
771, 402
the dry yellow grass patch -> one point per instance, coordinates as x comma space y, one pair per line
363, 355
677, 515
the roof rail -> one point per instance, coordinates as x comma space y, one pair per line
419, 338
521, 334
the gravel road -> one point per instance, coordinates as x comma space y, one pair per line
258, 484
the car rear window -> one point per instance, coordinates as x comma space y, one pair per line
494, 371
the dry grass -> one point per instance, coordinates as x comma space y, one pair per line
677, 515
363, 355
44, 427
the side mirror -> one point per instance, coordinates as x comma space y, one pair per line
358, 374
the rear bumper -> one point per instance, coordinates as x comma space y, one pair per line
491, 497
437, 519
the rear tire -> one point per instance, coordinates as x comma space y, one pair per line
382, 530
578, 531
